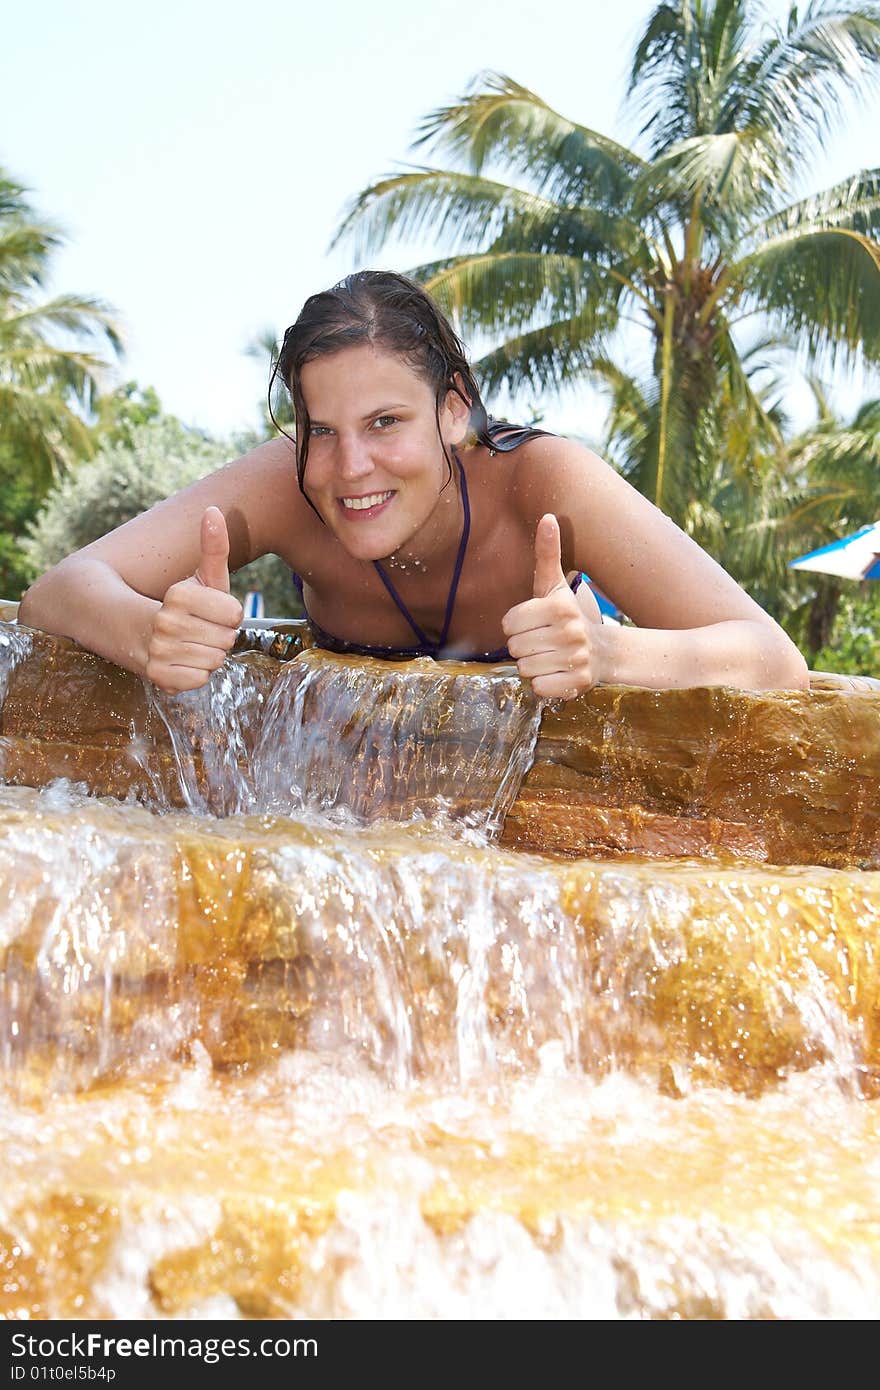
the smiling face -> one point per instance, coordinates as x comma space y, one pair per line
376, 464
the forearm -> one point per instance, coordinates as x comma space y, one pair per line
86, 599
746, 655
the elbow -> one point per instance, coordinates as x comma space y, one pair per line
29, 607
772, 661
800, 677
790, 669
38, 605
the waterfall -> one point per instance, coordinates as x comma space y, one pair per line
355, 742
289, 1028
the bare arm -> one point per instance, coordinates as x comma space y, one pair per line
696, 626
115, 595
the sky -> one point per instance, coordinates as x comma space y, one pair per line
199, 156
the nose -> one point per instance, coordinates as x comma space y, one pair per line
352, 457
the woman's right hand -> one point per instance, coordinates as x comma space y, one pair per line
197, 623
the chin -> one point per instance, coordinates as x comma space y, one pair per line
367, 550
388, 554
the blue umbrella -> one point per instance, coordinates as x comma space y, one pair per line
608, 609
855, 557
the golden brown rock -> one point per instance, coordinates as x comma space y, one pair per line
787, 777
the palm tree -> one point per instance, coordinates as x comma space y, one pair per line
687, 239
52, 351
277, 406
830, 471
737, 491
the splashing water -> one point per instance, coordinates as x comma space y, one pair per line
15, 647
122, 933
356, 742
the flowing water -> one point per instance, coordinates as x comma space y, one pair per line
302, 1040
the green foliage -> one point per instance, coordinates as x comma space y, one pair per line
19, 500
818, 487
53, 352
118, 413
128, 477
854, 649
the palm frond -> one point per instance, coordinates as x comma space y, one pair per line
854, 203
754, 407
82, 315
796, 81
13, 202
688, 60
735, 169
502, 124
43, 365
867, 418
464, 208
707, 69
25, 249
604, 238
496, 293
628, 423
823, 284
41, 428
542, 359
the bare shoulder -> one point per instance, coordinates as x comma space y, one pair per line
271, 464
633, 550
550, 469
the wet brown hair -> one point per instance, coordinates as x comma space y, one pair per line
395, 314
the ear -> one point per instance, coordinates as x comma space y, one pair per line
455, 416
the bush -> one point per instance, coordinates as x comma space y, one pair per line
128, 477
19, 501
854, 648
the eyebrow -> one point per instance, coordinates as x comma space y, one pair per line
370, 414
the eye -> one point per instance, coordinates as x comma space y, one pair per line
383, 421
320, 431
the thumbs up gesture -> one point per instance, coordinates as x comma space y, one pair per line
198, 620
554, 637
213, 566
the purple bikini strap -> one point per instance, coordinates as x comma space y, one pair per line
456, 573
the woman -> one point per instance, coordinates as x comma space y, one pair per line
414, 525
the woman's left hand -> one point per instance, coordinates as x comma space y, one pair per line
554, 639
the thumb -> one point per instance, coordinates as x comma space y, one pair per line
213, 568
548, 557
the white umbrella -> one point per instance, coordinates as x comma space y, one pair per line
855, 557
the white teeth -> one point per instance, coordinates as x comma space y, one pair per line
360, 504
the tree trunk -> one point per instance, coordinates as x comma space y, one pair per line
823, 611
